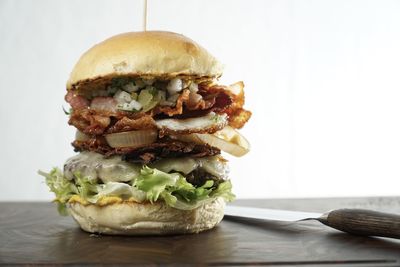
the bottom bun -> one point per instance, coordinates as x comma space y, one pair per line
131, 218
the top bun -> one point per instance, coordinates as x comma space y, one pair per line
150, 53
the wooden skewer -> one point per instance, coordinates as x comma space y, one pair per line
145, 15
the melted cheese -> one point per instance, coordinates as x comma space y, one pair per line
112, 170
216, 165
94, 166
77, 198
103, 201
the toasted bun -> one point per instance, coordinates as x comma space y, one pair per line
151, 53
131, 218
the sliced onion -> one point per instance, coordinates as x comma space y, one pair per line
228, 140
132, 138
79, 136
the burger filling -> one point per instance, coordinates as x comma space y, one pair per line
183, 183
143, 140
125, 103
138, 94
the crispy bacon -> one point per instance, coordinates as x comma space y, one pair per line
104, 103
93, 122
196, 101
129, 124
76, 101
89, 121
237, 115
163, 148
213, 101
169, 149
222, 98
102, 117
97, 144
209, 99
177, 109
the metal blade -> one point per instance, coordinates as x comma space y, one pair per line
269, 214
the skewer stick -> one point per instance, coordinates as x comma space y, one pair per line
145, 15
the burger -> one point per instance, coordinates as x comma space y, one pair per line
151, 121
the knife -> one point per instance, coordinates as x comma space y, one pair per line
353, 221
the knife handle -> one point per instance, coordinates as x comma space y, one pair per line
363, 222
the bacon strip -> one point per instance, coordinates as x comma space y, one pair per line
76, 101
163, 148
130, 124
238, 116
178, 109
89, 121
104, 103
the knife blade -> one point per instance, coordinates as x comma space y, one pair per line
353, 221
269, 214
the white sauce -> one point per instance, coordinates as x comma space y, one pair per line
213, 165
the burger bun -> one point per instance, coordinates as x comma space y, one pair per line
131, 218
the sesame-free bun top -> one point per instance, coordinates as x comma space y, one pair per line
150, 53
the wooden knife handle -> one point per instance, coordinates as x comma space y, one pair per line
363, 222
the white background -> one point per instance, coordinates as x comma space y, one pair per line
322, 81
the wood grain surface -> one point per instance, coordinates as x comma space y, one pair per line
34, 234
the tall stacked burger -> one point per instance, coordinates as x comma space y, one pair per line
151, 122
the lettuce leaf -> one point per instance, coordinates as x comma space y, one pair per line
151, 185
153, 182
177, 192
194, 197
224, 190
170, 186
87, 188
62, 188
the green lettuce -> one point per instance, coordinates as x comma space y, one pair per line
177, 192
61, 187
154, 182
88, 189
192, 197
151, 185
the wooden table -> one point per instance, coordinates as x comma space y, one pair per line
33, 233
